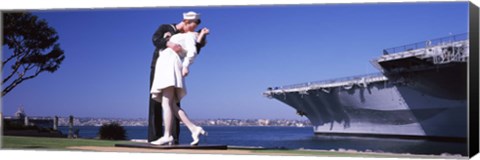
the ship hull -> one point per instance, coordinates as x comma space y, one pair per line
380, 109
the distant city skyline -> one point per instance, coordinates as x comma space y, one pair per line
108, 55
99, 121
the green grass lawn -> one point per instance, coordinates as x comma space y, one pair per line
332, 154
17, 142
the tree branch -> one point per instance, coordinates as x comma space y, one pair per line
18, 81
17, 66
8, 59
15, 54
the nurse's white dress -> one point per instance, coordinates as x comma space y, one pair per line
168, 69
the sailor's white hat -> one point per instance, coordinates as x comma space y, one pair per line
191, 16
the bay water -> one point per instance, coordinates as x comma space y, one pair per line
295, 138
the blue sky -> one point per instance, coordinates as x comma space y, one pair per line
108, 55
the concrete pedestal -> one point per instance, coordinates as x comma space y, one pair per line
181, 146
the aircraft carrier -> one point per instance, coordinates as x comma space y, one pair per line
420, 91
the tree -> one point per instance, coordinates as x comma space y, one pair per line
112, 131
33, 48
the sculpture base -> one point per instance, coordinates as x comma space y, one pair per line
181, 146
